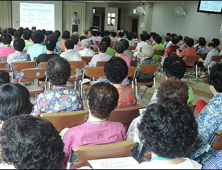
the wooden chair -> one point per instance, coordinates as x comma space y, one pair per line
125, 115
215, 58
192, 63
218, 144
100, 63
3, 65
159, 52
35, 74
93, 73
43, 65
133, 63
19, 66
35, 58
4, 58
204, 56
87, 59
114, 150
132, 47
66, 119
111, 44
146, 69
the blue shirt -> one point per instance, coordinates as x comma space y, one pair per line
36, 50
216, 163
74, 23
202, 50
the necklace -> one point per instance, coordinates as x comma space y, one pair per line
98, 122
157, 158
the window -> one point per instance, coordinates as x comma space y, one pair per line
111, 20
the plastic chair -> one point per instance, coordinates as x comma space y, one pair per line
66, 119
87, 59
100, 63
215, 58
132, 47
43, 65
114, 150
159, 52
4, 58
133, 63
3, 65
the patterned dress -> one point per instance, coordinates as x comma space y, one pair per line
59, 99
145, 77
216, 163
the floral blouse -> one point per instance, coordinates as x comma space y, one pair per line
59, 99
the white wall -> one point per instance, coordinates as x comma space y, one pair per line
194, 24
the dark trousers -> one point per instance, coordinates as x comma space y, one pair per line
74, 28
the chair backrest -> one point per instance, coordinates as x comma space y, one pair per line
173, 54
95, 72
192, 107
35, 58
218, 144
43, 65
101, 63
33, 73
78, 64
114, 150
111, 44
66, 119
216, 58
159, 52
4, 58
191, 60
133, 63
19, 66
3, 64
148, 69
87, 59
204, 56
131, 71
125, 115
132, 47
173, 48
73, 71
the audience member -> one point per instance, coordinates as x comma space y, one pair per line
121, 35
26, 37
86, 34
6, 49
102, 100
216, 41
167, 40
180, 43
135, 38
140, 44
75, 40
126, 51
190, 50
4, 77
130, 39
102, 56
60, 98
18, 55
172, 47
65, 36
158, 46
215, 163
116, 71
37, 48
30, 143
109, 50
86, 51
113, 36
202, 48
184, 46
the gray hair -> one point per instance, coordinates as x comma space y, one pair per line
86, 42
148, 50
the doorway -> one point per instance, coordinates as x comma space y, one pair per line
98, 18
135, 25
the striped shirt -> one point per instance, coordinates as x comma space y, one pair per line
215, 163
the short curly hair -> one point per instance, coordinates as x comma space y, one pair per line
116, 70
38, 37
30, 142
103, 99
58, 70
19, 44
215, 78
119, 47
174, 89
174, 66
6, 38
168, 129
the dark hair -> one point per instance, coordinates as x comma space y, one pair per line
102, 33
50, 42
168, 129
190, 42
66, 35
216, 41
174, 35
17, 34
215, 78
75, 13
125, 32
175, 40
27, 35
102, 46
47, 33
169, 34
81, 38
75, 39
152, 34
69, 44
14, 100
116, 70
119, 47
134, 34
103, 99
4, 77
30, 142
44, 31
211, 45
19, 44
143, 37
185, 39
129, 36
113, 33
126, 43
158, 39
86, 32
6, 38
174, 66
57, 33
167, 38
180, 37
107, 40
174, 89
121, 34
202, 41
38, 37
58, 70
94, 33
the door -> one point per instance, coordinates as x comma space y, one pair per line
135, 25
111, 18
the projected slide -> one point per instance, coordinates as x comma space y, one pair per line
39, 15
211, 6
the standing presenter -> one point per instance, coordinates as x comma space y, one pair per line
75, 22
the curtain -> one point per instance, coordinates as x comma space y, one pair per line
5, 14
69, 8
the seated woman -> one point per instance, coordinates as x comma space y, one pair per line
29, 142
60, 98
102, 100
102, 56
14, 101
190, 50
126, 51
168, 130
147, 53
173, 89
116, 70
210, 118
6, 49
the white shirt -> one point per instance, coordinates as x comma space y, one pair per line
187, 164
4, 165
139, 45
74, 23
87, 52
99, 57
71, 55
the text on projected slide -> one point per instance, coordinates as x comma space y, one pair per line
39, 15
